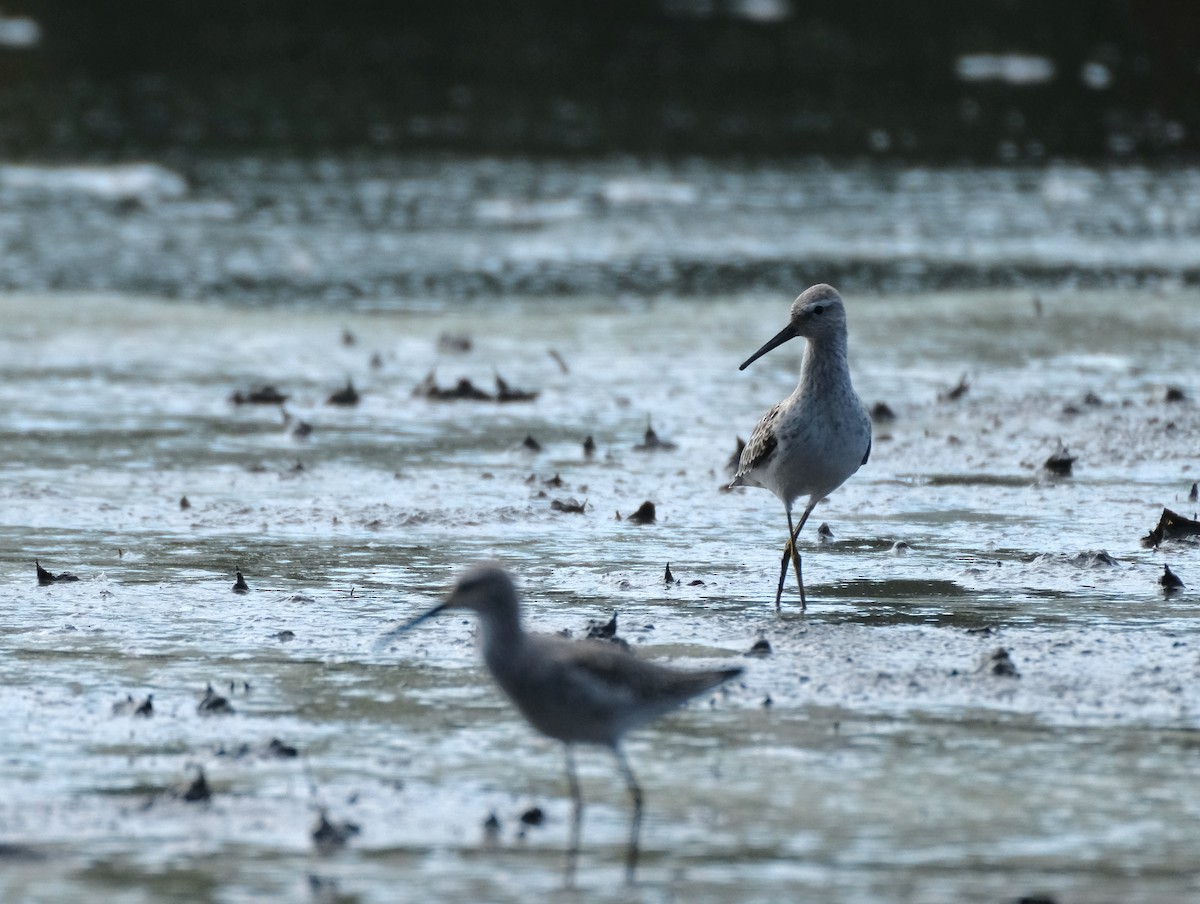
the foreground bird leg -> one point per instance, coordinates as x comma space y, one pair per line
576, 693
635, 821
576, 814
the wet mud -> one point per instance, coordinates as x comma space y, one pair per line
991, 694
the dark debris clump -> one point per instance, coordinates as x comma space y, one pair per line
328, 835
259, 395
1171, 526
44, 577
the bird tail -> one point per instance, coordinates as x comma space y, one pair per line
708, 680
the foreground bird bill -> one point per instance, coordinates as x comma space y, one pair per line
389, 636
788, 332
459, 598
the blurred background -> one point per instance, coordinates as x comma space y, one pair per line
1049, 137
995, 80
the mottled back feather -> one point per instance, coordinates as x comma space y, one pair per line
762, 443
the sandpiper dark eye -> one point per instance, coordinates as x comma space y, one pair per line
819, 309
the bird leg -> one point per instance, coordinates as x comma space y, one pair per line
791, 554
576, 814
635, 822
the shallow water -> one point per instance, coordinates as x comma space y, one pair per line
890, 764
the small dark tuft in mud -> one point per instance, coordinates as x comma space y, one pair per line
346, 396
328, 835
464, 389
534, 816
882, 413
956, 393
1170, 581
198, 790
652, 442
130, 706
491, 827
454, 343
1060, 461
644, 515
507, 393
1000, 663
760, 648
278, 748
259, 395
605, 631
213, 704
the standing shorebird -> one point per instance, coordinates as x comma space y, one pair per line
577, 692
812, 441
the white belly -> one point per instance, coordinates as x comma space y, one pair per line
817, 451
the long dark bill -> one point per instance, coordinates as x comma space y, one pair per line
788, 332
387, 637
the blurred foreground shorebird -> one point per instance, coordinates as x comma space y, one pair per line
577, 692
812, 441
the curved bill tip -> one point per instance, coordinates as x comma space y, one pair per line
788, 332
387, 637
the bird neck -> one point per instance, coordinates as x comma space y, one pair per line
824, 360
502, 632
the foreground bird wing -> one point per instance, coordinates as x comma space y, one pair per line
762, 443
593, 692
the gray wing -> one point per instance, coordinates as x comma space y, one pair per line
761, 446
593, 691
617, 669
641, 691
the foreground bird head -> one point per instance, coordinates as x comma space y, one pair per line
817, 314
485, 589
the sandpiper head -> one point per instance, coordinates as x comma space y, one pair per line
484, 589
817, 313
